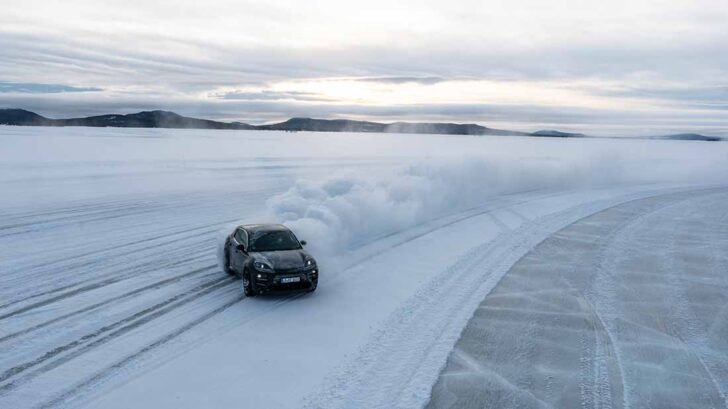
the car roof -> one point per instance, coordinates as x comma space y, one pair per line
256, 228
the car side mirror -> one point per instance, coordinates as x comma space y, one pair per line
241, 247
303, 242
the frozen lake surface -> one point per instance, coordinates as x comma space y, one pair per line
625, 308
110, 290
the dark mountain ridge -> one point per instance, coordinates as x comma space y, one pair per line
145, 119
557, 134
167, 119
23, 117
689, 137
325, 125
347, 125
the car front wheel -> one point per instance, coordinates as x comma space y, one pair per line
247, 285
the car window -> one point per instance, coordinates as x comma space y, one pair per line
274, 241
242, 237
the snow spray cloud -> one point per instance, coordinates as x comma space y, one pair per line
345, 210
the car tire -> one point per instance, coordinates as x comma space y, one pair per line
313, 288
226, 263
247, 285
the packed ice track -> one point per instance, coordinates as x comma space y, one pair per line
625, 308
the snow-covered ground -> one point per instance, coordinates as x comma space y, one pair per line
111, 296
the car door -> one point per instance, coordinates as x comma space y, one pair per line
239, 257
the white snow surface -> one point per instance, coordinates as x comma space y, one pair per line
111, 296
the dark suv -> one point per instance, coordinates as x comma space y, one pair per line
269, 258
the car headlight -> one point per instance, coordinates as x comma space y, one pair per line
310, 263
262, 266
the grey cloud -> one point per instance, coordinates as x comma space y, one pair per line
267, 95
208, 65
33, 88
707, 94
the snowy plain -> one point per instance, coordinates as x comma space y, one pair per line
110, 289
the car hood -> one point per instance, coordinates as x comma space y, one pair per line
284, 259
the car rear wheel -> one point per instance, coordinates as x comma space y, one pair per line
226, 263
247, 285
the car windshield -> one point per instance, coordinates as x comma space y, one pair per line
275, 241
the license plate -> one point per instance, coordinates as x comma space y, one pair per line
286, 280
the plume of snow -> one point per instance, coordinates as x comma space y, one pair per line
336, 213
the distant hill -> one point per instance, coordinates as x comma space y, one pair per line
690, 137
24, 118
166, 119
145, 119
325, 125
152, 119
346, 125
448, 128
557, 134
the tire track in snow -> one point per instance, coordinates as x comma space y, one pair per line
595, 356
682, 323
613, 251
719, 262
116, 276
603, 301
118, 255
690, 341
153, 286
105, 334
89, 259
73, 214
74, 292
115, 215
113, 210
115, 249
100, 376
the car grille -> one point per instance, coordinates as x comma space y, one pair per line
297, 270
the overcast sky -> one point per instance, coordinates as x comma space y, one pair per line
614, 67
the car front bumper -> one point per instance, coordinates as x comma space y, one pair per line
267, 282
